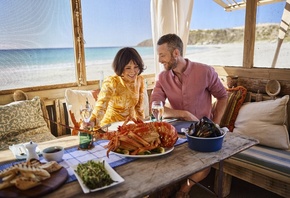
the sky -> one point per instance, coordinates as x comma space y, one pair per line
214, 16
47, 23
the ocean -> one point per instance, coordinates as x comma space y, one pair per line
36, 67
55, 57
61, 56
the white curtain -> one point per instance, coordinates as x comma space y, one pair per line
170, 16
284, 26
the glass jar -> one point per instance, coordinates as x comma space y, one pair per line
85, 141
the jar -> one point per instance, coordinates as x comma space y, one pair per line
85, 141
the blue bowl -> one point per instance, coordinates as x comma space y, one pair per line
209, 144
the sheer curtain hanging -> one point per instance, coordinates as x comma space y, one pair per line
284, 26
170, 16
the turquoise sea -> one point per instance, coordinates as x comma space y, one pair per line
36, 67
64, 57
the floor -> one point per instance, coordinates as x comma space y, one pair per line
239, 189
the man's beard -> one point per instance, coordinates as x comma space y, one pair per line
172, 64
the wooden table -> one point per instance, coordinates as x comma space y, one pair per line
147, 175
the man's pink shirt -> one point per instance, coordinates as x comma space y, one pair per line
199, 83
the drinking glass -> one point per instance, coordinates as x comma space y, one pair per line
86, 112
157, 109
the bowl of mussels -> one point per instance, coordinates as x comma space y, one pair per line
205, 136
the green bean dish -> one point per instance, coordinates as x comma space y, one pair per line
94, 174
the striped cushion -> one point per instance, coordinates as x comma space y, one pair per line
236, 98
273, 162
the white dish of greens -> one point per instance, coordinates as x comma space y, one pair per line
103, 176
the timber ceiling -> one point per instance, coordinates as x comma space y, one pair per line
231, 5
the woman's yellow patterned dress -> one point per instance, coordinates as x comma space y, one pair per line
119, 99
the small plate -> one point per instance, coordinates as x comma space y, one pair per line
114, 175
20, 152
145, 156
169, 120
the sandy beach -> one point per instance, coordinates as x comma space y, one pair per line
232, 55
221, 54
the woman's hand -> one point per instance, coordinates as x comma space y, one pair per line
87, 125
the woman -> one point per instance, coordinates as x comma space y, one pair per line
121, 95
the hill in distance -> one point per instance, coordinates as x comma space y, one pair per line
264, 32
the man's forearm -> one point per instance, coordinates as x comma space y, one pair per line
219, 110
180, 114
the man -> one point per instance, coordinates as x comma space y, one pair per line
189, 87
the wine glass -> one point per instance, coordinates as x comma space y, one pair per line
86, 113
157, 109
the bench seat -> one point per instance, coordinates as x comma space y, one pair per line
266, 167
267, 160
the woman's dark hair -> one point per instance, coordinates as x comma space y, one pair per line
173, 42
124, 56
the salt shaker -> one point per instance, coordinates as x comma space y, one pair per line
31, 148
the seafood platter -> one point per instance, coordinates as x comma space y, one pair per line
135, 137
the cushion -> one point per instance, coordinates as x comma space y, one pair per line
75, 99
236, 98
22, 121
265, 121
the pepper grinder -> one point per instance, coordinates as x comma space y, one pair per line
31, 147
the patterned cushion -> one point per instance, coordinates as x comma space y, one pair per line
236, 98
23, 121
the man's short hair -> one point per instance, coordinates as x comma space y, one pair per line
173, 41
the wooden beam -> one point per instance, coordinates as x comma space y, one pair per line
79, 50
259, 73
242, 4
249, 34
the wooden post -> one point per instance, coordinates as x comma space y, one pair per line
79, 51
249, 34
